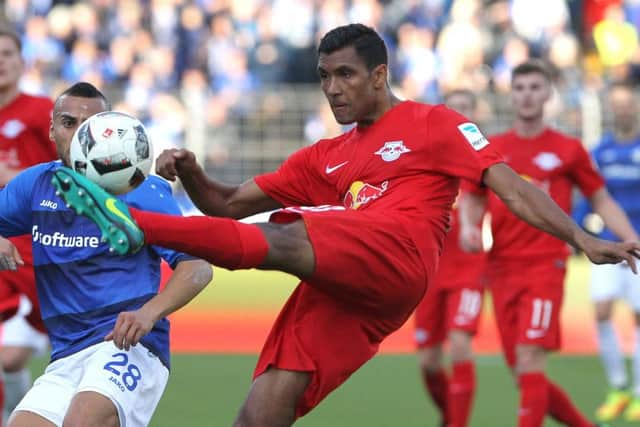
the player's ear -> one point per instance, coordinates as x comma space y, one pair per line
379, 74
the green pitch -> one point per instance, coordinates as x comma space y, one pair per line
206, 390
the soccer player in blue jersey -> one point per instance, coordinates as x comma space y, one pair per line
618, 158
105, 318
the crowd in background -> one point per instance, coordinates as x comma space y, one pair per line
157, 57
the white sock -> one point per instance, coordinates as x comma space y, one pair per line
636, 365
16, 385
611, 356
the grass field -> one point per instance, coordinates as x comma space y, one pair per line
206, 390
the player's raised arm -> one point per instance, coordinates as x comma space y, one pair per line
189, 278
536, 208
212, 197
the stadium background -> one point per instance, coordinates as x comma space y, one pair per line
235, 81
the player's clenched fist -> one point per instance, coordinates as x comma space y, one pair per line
130, 327
10, 259
173, 161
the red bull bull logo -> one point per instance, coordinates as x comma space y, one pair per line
361, 193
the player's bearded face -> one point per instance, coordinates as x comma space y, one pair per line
68, 113
347, 84
529, 93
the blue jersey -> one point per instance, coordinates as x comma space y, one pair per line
82, 287
619, 164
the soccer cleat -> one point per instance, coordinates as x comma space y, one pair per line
632, 413
110, 214
614, 404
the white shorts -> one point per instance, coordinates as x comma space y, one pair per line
17, 332
615, 282
133, 380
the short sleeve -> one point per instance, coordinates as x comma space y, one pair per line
458, 147
15, 202
290, 185
584, 172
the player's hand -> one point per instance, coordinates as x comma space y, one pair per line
130, 327
470, 239
173, 161
606, 252
10, 258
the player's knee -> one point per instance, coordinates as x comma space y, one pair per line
460, 346
289, 246
15, 359
430, 360
603, 310
530, 358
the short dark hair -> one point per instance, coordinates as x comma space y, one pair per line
85, 90
10, 33
365, 40
463, 92
533, 66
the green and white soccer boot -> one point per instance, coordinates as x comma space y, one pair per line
110, 214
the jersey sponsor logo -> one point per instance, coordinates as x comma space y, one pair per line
49, 204
472, 134
330, 169
61, 240
361, 193
392, 150
547, 161
12, 128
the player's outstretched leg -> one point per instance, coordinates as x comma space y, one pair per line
110, 214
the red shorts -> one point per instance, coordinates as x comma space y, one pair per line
444, 309
368, 279
527, 300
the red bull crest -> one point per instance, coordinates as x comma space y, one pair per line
361, 193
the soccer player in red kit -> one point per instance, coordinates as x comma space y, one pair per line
364, 264
451, 310
24, 142
526, 267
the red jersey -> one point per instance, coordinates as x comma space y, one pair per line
406, 164
553, 162
24, 141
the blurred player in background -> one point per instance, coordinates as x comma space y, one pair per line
364, 265
104, 315
24, 142
451, 310
526, 267
618, 159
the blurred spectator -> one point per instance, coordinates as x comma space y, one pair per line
616, 40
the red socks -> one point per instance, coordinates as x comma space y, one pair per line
539, 396
534, 398
562, 409
223, 242
462, 385
437, 386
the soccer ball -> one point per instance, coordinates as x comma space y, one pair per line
113, 150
